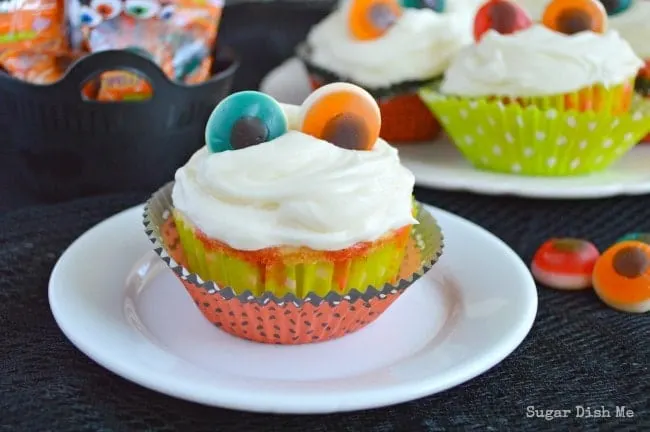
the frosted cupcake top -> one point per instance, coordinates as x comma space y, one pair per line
539, 61
631, 18
316, 176
416, 44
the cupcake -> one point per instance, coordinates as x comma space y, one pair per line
294, 224
390, 51
552, 99
631, 19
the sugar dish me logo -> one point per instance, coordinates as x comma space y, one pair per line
579, 411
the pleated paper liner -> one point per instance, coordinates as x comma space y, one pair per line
543, 136
405, 118
288, 319
292, 270
642, 87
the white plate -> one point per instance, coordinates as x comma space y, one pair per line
118, 303
439, 165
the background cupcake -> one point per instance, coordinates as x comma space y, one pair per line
554, 99
631, 19
391, 51
311, 215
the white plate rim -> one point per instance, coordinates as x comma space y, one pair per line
259, 403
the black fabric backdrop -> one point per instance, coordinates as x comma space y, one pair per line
579, 352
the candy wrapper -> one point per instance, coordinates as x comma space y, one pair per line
33, 25
35, 67
178, 36
289, 319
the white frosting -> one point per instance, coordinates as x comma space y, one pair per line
295, 190
419, 46
632, 24
539, 61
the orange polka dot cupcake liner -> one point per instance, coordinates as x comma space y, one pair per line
405, 117
288, 319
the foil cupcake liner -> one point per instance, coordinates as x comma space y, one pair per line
288, 319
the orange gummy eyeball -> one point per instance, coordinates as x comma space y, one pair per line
503, 16
565, 263
370, 19
342, 114
621, 277
575, 16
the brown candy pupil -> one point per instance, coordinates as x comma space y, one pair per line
346, 130
630, 262
503, 16
573, 21
567, 245
248, 131
381, 16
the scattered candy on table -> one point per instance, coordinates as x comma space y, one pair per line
622, 277
642, 237
565, 263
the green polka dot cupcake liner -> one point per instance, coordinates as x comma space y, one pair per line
536, 140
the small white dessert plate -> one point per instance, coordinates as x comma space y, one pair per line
120, 305
439, 165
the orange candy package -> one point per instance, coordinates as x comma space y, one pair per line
34, 25
35, 67
178, 35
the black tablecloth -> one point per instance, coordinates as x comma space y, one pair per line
579, 352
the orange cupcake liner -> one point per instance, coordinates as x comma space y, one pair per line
288, 320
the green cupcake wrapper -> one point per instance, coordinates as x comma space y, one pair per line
537, 139
379, 267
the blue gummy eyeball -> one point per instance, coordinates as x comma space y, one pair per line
614, 7
244, 119
435, 5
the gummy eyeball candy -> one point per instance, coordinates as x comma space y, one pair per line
502, 16
98, 11
370, 19
141, 9
642, 237
574, 16
565, 263
435, 5
621, 277
166, 12
343, 114
244, 119
613, 7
